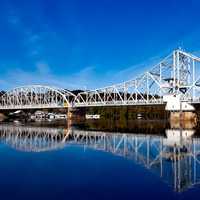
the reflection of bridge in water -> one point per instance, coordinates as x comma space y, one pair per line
174, 157
32, 139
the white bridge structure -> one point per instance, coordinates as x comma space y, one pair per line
174, 81
173, 156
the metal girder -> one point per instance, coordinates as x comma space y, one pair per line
175, 75
36, 96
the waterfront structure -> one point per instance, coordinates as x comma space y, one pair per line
40, 115
173, 81
92, 116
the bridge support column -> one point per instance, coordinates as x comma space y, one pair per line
174, 104
72, 114
69, 113
2, 117
180, 112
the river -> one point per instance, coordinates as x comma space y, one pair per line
65, 162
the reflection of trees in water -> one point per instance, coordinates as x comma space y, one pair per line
137, 126
175, 157
125, 118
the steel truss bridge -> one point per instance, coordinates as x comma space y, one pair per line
177, 74
175, 159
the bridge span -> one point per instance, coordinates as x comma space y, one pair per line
174, 80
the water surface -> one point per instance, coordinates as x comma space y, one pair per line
67, 163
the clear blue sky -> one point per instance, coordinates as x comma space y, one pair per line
91, 43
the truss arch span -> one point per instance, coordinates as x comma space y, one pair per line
36, 96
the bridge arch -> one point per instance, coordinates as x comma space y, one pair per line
36, 96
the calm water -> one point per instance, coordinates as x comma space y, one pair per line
66, 163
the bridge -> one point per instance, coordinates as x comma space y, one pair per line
173, 80
174, 157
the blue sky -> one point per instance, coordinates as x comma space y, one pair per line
91, 43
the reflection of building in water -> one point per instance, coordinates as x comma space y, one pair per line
174, 157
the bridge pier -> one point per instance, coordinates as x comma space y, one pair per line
181, 119
180, 112
69, 113
2, 117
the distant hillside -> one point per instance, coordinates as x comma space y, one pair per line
75, 92
2, 93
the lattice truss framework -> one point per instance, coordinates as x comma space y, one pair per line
36, 96
176, 74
